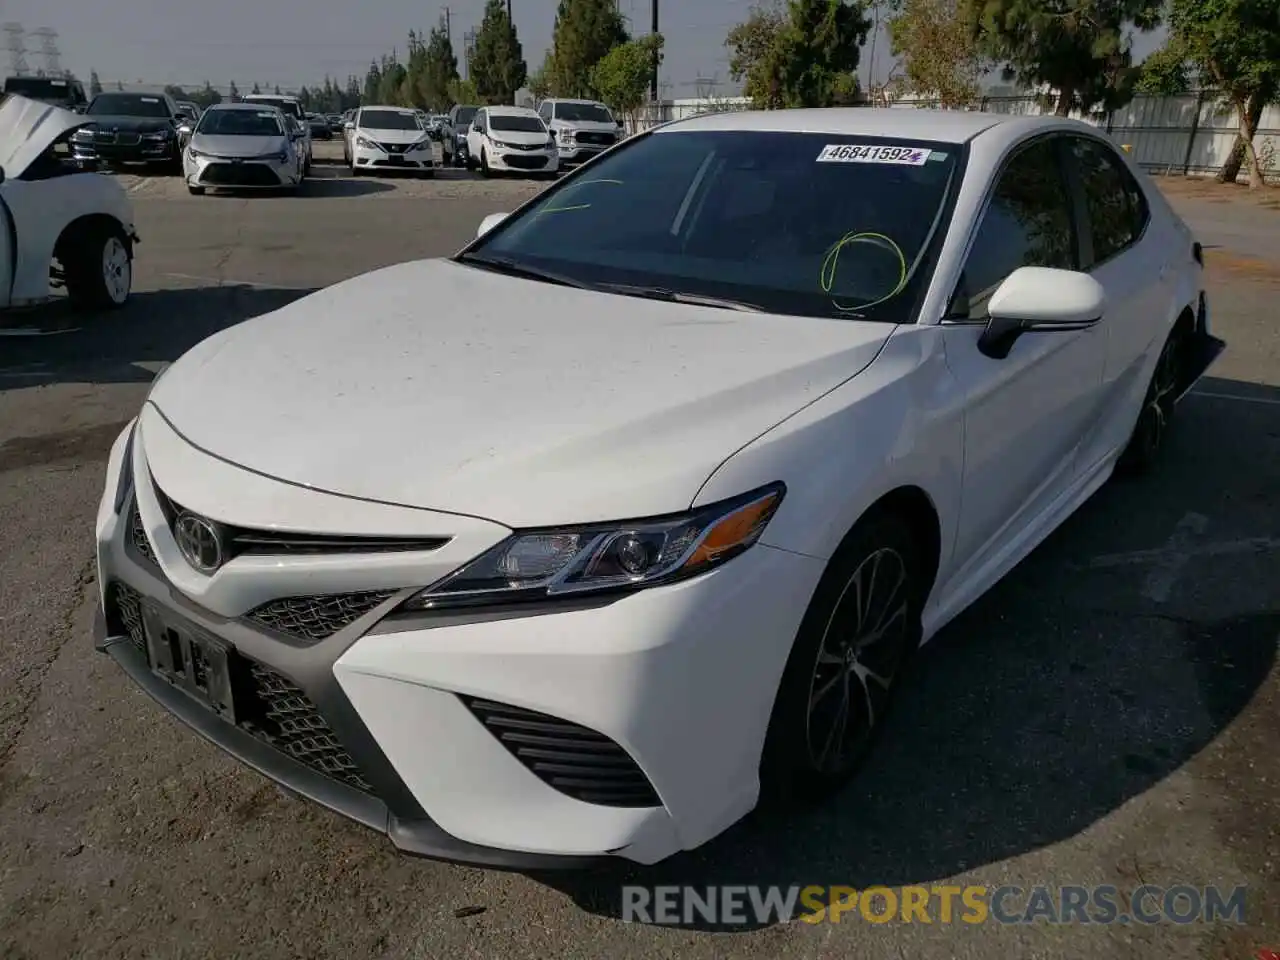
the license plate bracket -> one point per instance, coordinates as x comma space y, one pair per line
194, 661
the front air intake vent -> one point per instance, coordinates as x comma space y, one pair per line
575, 760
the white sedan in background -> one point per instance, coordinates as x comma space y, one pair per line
388, 138
511, 140
739, 416
238, 146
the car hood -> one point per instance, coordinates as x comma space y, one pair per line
441, 386
392, 136
224, 146
28, 128
127, 124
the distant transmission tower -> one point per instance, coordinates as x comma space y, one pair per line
17, 44
468, 50
49, 50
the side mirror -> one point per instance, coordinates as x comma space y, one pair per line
489, 222
184, 130
1040, 300
619, 124
348, 125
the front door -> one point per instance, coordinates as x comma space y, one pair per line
1026, 414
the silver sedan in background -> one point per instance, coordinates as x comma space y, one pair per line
242, 146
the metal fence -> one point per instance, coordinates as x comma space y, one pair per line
1192, 134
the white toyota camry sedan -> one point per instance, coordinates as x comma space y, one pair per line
633, 528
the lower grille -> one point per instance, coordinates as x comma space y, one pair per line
289, 721
519, 162
578, 762
312, 619
269, 706
239, 175
596, 139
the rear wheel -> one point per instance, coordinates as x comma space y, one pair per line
98, 266
1143, 452
484, 165
861, 626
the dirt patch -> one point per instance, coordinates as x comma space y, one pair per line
1234, 266
1206, 188
82, 445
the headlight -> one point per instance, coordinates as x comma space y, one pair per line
125, 480
566, 136
542, 564
156, 137
194, 154
422, 145
366, 143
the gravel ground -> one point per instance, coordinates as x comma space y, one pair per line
1108, 714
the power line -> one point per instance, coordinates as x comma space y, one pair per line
17, 44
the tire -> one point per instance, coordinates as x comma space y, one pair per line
195, 191
427, 174
484, 165
1142, 453
827, 665
97, 265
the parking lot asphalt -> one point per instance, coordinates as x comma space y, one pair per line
1108, 714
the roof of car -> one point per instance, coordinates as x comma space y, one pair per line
588, 103
948, 126
511, 112
240, 105
378, 106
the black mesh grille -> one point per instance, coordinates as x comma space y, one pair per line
519, 162
289, 721
578, 762
268, 705
239, 175
598, 139
312, 619
138, 533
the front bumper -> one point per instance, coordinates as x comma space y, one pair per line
372, 158
404, 714
124, 149
238, 173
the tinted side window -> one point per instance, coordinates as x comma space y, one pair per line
1116, 208
1027, 224
544, 111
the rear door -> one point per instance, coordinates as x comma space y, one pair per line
1133, 267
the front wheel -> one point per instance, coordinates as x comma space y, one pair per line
862, 624
1143, 451
98, 267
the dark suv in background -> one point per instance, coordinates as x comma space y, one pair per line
130, 128
460, 118
59, 91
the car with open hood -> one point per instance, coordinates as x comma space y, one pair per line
130, 128
581, 543
63, 227
242, 146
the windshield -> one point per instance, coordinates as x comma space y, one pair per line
388, 120
466, 114
285, 104
240, 123
793, 223
516, 124
127, 105
583, 112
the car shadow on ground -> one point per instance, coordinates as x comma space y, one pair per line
1051, 702
58, 344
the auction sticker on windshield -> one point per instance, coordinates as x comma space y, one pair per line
853, 153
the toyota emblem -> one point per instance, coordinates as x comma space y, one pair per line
199, 541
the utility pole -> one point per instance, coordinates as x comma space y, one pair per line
509, 20
653, 76
448, 27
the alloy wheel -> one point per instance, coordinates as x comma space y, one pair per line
862, 648
117, 273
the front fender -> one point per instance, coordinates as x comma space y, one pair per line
900, 422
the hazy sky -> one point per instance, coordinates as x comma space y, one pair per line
295, 42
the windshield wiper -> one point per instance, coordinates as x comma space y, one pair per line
675, 296
513, 269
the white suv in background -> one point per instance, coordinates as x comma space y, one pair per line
511, 140
291, 107
582, 128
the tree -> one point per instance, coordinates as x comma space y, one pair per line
256, 90
937, 52
585, 31
1080, 49
621, 78
539, 83
754, 55
120, 85
277, 90
95, 85
463, 91
802, 55
497, 63
205, 97
439, 70
1231, 47
233, 91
